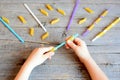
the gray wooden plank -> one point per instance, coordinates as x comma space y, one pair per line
110, 38
61, 72
28, 46
71, 75
59, 1
18, 9
59, 58
102, 57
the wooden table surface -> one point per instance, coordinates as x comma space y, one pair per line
65, 64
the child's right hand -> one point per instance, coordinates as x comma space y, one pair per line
80, 48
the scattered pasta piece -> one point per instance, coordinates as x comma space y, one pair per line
22, 19
49, 7
5, 19
89, 10
45, 35
54, 21
61, 11
44, 12
82, 20
32, 31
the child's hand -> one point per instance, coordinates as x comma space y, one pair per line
80, 49
39, 55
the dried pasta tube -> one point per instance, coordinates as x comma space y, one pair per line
89, 10
54, 21
44, 12
45, 35
61, 11
82, 20
49, 7
52, 50
32, 31
22, 19
5, 19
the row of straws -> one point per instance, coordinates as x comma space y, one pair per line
82, 20
96, 21
5, 21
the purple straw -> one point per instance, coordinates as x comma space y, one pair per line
85, 33
72, 15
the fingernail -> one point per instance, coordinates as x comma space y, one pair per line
69, 41
52, 54
49, 58
67, 47
51, 47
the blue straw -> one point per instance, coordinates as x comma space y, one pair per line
11, 30
63, 43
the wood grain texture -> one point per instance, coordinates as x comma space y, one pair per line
65, 64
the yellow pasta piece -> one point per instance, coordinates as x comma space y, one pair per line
89, 10
5, 19
49, 7
105, 13
22, 19
52, 50
98, 20
82, 20
61, 11
54, 21
45, 35
91, 27
44, 12
32, 31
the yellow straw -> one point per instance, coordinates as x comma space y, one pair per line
103, 14
107, 28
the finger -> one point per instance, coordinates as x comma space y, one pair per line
45, 49
79, 42
51, 56
67, 46
35, 50
48, 55
71, 44
67, 38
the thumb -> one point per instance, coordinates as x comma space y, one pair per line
47, 55
45, 49
71, 44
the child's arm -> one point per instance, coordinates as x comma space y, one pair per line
36, 58
82, 52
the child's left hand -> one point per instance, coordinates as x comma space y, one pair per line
39, 55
